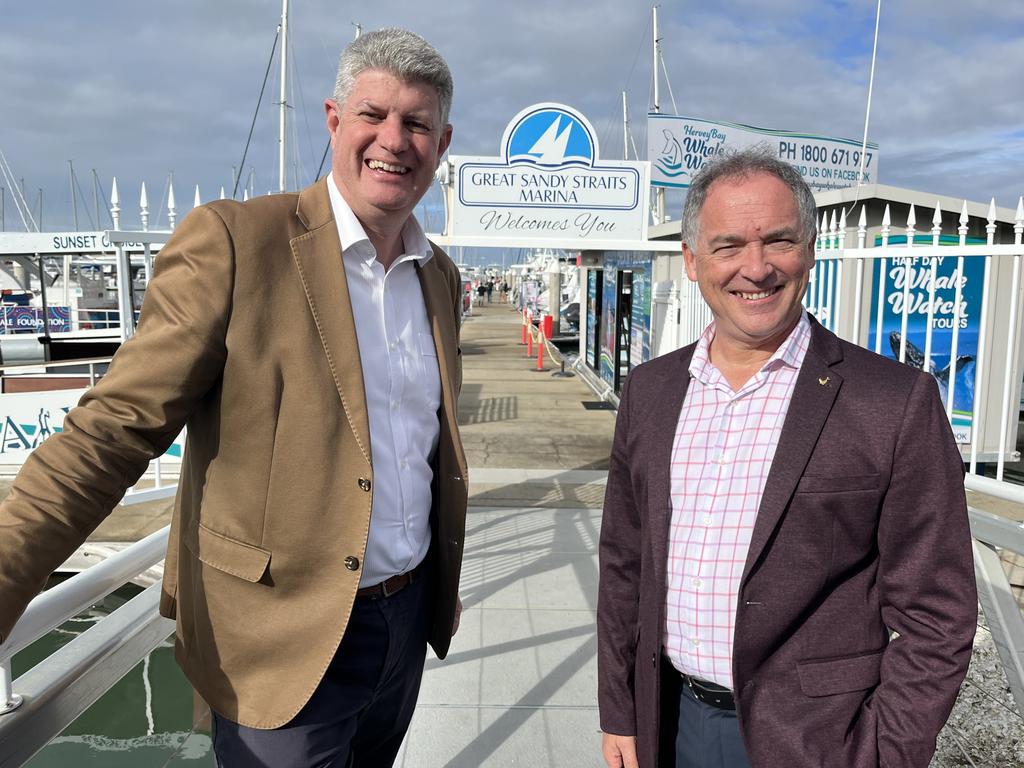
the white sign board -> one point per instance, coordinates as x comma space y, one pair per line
678, 146
550, 182
63, 242
29, 418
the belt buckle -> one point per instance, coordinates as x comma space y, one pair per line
384, 589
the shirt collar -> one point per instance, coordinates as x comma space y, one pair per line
355, 242
790, 353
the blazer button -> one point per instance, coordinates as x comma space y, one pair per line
352, 563
364, 483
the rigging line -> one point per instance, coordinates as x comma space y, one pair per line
668, 82
305, 113
636, 57
163, 199
293, 75
105, 197
74, 178
867, 113
259, 101
24, 211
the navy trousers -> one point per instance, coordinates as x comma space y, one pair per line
358, 715
708, 737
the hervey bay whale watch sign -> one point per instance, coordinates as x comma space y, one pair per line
679, 146
549, 182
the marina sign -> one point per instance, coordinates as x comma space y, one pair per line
549, 182
678, 146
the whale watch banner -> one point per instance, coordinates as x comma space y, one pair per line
550, 182
678, 147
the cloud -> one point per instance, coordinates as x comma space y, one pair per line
137, 90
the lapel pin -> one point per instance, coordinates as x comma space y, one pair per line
824, 382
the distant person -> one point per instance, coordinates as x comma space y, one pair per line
481, 292
490, 290
503, 297
317, 535
786, 577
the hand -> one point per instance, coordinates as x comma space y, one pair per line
619, 751
458, 615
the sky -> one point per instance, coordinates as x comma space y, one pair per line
138, 91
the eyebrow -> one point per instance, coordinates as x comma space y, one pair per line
772, 234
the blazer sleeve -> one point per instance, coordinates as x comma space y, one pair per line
926, 581
72, 481
618, 601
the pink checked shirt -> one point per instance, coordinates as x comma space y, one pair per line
724, 445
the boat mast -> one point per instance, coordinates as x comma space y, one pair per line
659, 209
284, 96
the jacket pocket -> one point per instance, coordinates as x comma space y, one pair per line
837, 484
827, 677
230, 555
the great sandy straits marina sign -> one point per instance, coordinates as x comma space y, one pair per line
549, 182
678, 146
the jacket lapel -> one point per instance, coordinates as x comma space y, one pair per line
817, 386
662, 421
317, 255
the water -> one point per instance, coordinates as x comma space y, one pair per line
145, 720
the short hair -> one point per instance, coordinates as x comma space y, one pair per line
740, 164
401, 53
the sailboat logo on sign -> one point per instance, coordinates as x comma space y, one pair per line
549, 136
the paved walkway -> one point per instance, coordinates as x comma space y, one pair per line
519, 685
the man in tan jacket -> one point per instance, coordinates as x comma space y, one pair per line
310, 344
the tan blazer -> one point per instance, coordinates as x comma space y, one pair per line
247, 336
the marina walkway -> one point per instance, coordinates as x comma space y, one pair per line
519, 685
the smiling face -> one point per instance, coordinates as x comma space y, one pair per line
387, 140
752, 262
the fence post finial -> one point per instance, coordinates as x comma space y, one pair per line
196, 202
115, 207
172, 214
144, 208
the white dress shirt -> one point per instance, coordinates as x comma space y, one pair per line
403, 390
724, 446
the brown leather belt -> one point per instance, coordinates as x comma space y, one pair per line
390, 586
709, 693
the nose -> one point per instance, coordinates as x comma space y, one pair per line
392, 135
756, 266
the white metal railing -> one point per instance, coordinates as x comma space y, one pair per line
908, 285
54, 606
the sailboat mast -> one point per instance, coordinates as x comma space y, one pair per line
284, 97
659, 210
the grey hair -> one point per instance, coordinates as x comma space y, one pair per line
740, 164
401, 53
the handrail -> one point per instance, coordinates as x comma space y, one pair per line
992, 487
69, 681
55, 606
13, 368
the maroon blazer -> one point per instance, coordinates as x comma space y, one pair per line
862, 531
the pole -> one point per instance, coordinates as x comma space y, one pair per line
96, 197
74, 197
625, 128
659, 210
284, 96
39, 218
871, 83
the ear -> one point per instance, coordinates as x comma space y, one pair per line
690, 262
333, 119
444, 142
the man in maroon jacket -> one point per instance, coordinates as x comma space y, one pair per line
786, 569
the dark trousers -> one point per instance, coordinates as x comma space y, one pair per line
708, 737
358, 715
